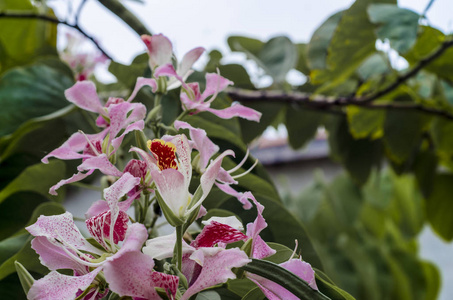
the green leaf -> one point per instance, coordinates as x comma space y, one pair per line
439, 207
251, 130
428, 42
402, 133
433, 280
358, 156
23, 40
282, 255
328, 288
10, 246
319, 42
365, 122
30, 92
27, 257
441, 130
37, 178
278, 55
302, 62
352, 42
397, 24
214, 61
247, 45
284, 278
302, 125
241, 286
373, 66
255, 294
127, 75
25, 277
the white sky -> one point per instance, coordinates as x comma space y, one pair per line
207, 23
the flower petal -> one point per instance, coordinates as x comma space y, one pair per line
58, 286
160, 49
173, 188
214, 84
203, 144
83, 94
76, 177
216, 232
62, 228
163, 246
53, 257
242, 197
236, 110
100, 227
188, 60
141, 82
132, 274
217, 264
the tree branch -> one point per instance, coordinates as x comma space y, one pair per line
56, 21
325, 103
124, 14
412, 72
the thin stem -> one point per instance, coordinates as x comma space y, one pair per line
79, 11
126, 15
11, 15
178, 247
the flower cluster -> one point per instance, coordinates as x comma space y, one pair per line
124, 254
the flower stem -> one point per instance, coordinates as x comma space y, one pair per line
178, 247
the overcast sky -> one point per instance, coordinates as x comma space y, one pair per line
207, 23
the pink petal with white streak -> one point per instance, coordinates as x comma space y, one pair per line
203, 144
188, 60
217, 264
58, 286
83, 94
141, 82
62, 228
242, 197
100, 163
163, 246
216, 232
99, 227
208, 178
214, 84
131, 274
173, 188
236, 110
53, 257
259, 248
160, 49
76, 177
301, 269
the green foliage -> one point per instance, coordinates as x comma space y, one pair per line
366, 237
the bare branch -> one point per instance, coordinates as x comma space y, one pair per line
53, 20
325, 103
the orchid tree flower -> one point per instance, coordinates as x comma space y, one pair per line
206, 149
204, 265
171, 171
97, 150
160, 51
60, 245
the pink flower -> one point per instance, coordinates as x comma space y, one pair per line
60, 245
192, 99
160, 51
171, 170
118, 116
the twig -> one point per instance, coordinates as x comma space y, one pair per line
79, 11
325, 103
124, 14
53, 20
400, 79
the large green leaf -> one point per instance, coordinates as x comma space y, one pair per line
352, 42
238, 75
402, 133
358, 156
439, 207
278, 55
441, 130
302, 62
427, 43
365, 122
37, 178
396, 24
302, 125
320, 40
26, 255
250, 46
23, 40
30, 92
